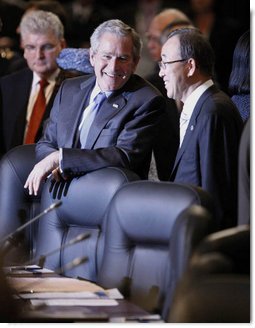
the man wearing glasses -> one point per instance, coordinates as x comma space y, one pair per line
210, 125
42, 38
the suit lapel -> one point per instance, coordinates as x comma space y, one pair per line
75, 103
192, 126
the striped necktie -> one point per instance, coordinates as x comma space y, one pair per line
90, 113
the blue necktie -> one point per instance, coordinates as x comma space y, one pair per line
93, 109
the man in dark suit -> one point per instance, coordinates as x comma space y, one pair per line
123, 129
42, 37
167, 140
210, 125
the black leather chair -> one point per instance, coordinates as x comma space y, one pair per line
143, 221
16, 205
216, 286
84, 202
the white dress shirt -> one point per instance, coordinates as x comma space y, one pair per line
189, 105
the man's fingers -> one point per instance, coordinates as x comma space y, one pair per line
56, 174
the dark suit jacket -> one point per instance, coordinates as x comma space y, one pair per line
14, 97
121, 134
208, 156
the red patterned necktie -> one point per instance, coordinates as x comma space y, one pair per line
37, 114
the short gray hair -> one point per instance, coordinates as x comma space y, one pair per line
40, 22
116, 26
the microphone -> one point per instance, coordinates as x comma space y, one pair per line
79, 238
10, 240
71, 265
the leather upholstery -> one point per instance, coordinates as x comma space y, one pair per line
216, 286
142, 223
84, 203
16, 206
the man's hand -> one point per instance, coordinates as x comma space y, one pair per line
40, 172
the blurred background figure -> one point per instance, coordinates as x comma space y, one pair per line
84, 16
42, 38
75, 60
10, 52
239, 82
213, 19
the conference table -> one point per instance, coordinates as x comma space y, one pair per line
44, 296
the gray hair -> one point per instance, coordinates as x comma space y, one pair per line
40, 22
116, 26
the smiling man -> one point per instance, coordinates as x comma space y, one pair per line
210, 124
119, 130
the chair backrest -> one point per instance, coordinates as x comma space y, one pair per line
215, 288
16, 205
84, 202
141, 224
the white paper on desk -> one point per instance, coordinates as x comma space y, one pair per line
25, 270
59, 295
75, 302
108, 294
114, 293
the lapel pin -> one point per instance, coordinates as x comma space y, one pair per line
192, 128
115, 105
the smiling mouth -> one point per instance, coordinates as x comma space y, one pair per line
113, 75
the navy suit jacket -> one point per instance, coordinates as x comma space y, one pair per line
208, 156
14, 96
121, 134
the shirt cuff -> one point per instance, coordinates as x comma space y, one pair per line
60, 160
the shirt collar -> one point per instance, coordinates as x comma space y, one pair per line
50, 79
192, 99
96, 90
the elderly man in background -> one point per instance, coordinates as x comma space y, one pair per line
42, 38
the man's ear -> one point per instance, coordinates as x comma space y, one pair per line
63, 44
136, 61
191, 66
91, 57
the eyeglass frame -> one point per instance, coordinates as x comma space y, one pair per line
162, 65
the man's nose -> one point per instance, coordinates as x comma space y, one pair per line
39, 52
113, 63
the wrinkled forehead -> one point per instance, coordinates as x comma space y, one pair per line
171, 48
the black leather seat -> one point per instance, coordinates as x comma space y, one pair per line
84, 203
143, 221
216, 286
16, 206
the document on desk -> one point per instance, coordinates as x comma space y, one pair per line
107, 294
75, 302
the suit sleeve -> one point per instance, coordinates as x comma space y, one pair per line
218, 164
129, 146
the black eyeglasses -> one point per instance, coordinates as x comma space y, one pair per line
162, 65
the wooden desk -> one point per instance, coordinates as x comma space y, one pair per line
124, 311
